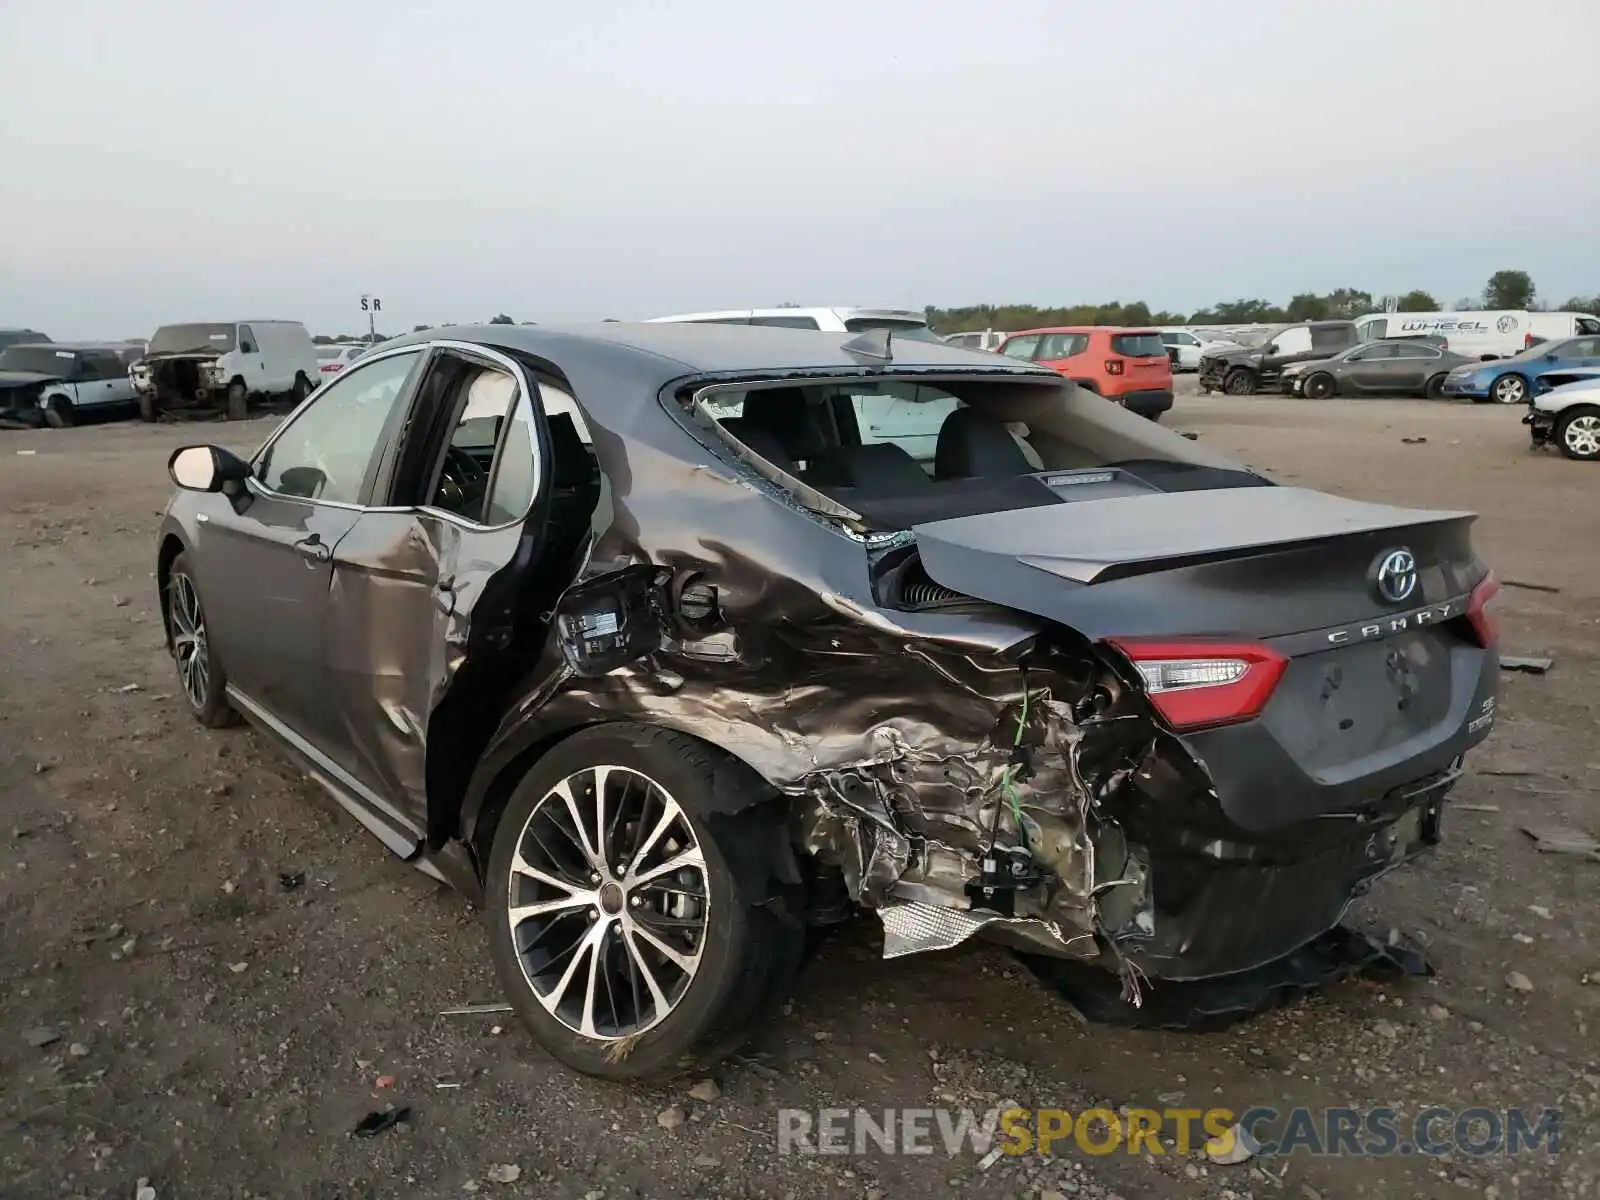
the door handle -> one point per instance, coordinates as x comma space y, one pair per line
313, 549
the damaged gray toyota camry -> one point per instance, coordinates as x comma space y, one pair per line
671, 643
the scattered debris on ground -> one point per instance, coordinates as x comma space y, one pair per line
1533, 666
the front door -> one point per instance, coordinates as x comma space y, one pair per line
269, 555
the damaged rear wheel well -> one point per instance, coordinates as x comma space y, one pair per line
734, 786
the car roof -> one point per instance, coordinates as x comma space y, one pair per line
75, 347
668, 350
1086, 329
844, 312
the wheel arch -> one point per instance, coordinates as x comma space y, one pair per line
171, 546
471, 817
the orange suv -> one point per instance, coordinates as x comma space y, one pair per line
1127, 366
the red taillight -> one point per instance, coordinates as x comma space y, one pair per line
1484, 620
1527, 341
1203, 684
330, 368
1113, 366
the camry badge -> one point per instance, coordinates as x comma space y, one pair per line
1396, 576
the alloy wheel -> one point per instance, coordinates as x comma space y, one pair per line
608, 901
189, 641
1582, 436
1510, 390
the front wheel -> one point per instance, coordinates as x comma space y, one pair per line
1510, 389
1578, 433
59, 413
1319, 387
238, 401
1240, 383
149, 407
200, 672
637, 912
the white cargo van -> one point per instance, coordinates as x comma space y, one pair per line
194, 365
1484, 335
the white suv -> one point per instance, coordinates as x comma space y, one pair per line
903, 322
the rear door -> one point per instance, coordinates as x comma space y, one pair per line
1063, 352
1413, 365
422, 579
102, 380
1144, 361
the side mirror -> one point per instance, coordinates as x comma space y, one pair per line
1270, 348
206, 468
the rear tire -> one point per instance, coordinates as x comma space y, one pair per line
1578, 433
1319, 387
301, 389
1240, 382
201, 679
1509, 389
238, 401
59, 413
1434, 388
587, 972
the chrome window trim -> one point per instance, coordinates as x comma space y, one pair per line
500, 359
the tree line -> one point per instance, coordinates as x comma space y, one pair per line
1504, 290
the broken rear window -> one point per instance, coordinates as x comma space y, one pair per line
901, 452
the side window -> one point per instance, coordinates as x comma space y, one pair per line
1293, 341
1582, 348
324, 453
787, 322
247, 340
103, 365
1020, 347
1061, 345
490, 472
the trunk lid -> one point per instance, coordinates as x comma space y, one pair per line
1251, 562
1377, 690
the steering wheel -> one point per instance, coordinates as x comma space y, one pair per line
463, 481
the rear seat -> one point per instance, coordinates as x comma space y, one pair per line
880, 469
973, 444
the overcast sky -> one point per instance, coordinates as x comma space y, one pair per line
175, 160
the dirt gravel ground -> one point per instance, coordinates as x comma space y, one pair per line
218, 1033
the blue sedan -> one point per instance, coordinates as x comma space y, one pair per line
1512, 380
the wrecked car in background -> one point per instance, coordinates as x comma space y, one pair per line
635, 634
224, 364
60, 383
